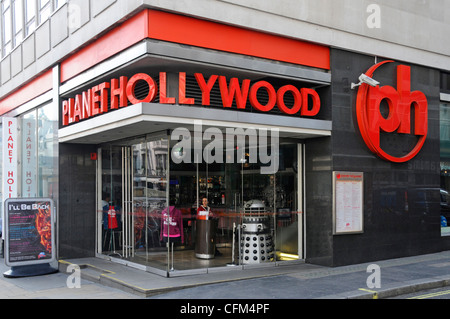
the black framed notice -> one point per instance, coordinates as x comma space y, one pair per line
348, 202
29, 231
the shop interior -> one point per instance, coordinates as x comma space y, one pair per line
255, 217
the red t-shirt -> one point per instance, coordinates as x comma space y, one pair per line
204, 213
112, 218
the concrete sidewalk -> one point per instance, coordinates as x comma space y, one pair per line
106, 280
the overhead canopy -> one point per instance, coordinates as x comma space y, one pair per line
146, 118
152, 56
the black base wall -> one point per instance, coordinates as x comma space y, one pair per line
76, 201
318, 192
401, 201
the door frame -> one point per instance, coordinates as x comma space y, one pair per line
301, 207
127, 172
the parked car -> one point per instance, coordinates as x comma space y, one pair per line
2, 252
445, 204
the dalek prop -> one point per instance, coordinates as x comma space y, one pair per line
256, 238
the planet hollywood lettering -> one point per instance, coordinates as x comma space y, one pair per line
10, 158
29, 158
121, 92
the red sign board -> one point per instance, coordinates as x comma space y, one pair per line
371, 122
94, 101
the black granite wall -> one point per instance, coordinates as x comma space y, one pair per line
401, 201
318, 201
401, 210
76, 201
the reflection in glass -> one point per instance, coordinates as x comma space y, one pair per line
134, 191
39, 153
158, 224
445, 168
47, 151
1, 168
29, 155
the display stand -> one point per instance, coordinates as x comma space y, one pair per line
112, 243
29, 237
30, 271
205, 245
113, 224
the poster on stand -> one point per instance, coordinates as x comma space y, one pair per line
29, 231
348, 203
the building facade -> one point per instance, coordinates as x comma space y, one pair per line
315, 138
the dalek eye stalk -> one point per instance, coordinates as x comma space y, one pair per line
256, 242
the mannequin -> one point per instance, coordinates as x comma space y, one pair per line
204, 211
172, 225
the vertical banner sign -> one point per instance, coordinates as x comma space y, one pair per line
10, 148
29, 233
29, 185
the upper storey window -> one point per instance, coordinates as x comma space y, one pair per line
19, 18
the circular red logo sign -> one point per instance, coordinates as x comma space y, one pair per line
400, 101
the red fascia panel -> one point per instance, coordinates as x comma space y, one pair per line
186, 30
127, 34
36, 87
130, 32
178, 29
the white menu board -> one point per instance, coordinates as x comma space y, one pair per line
348, 188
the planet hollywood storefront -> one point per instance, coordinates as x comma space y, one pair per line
298, 164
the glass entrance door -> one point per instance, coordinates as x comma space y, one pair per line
148, 206
150, 198
110, 225
272, 205
134, 192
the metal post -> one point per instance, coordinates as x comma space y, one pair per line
239, 245
172, 269
130, 194
124, 209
